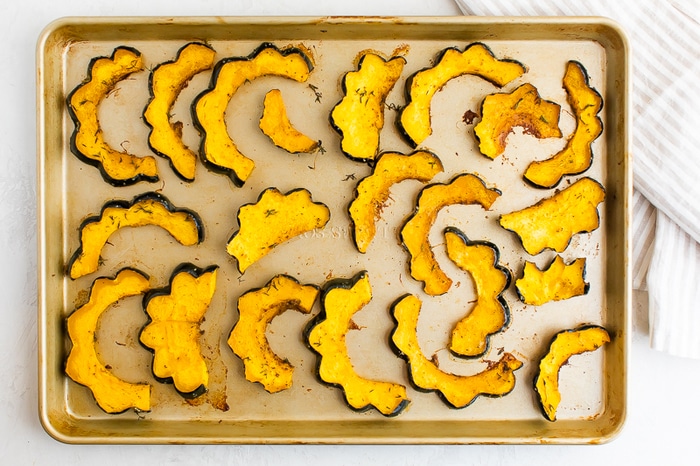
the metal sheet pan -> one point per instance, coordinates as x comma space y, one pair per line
237, 411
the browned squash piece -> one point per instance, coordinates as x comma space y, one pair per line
173, 331
83, 365
463, 189
552, 222
272, 220
326, 335
275, 124
373, 191
146, 209
557, 282
523, 108
458, 391
565, 344
577, 156
87, 141
359, 116
490, 314
166, 82
218, 151
477, 59
248, 340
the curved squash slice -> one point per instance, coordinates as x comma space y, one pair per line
274, 219
373, 191
477, 59
256, 309
146, 209
577, 156
326, 335
565, 344
458, 391
552, 222
112, 394
173, 331
275, 124
166, 82
218, 150
490, 314
359, 116
559, 281
524, 108
463, 189
87, 140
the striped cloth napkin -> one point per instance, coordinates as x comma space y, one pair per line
665, 43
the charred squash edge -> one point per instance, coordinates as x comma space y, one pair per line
586, 285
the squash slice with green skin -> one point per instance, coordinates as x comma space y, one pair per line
557, 282
458, 391
173, 331
87, 141
372, 192
83, 365
256, 309
275, 124
326, 335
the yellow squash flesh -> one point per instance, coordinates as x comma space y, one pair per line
275, 124
557, 282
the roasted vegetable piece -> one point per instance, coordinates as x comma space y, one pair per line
552, 222
463, 189
274, 219
458, 391
477, 59
359, 116
275, 124
83, 365
87, 140
326, 335
490, 314
146, 209
256, 309
218, 150
523, 108
565, 344
576, 157
166, 82
173, 331
373, 191
557, 282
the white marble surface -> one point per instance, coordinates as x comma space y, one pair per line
661, 426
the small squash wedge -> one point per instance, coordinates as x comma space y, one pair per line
83, 365
275, 124
87, 141
326, 336
256, 309
557, 282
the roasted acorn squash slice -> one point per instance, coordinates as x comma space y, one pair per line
577, 155
490, 314
373, 191
146, 209
218, 150
565, 344
272, 220
463, 189
359, 116
83, 365
173, 331
523, 108
166, 82
275, 124
557, 282
458, 391
477, 59
87, 140
552, 222
256, 309
326, 335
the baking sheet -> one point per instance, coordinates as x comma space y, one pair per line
237, 411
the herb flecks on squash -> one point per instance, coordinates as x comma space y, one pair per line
557, 282
275, 124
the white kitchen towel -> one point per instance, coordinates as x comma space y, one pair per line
665, 42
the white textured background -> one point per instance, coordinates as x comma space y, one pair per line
661, 425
